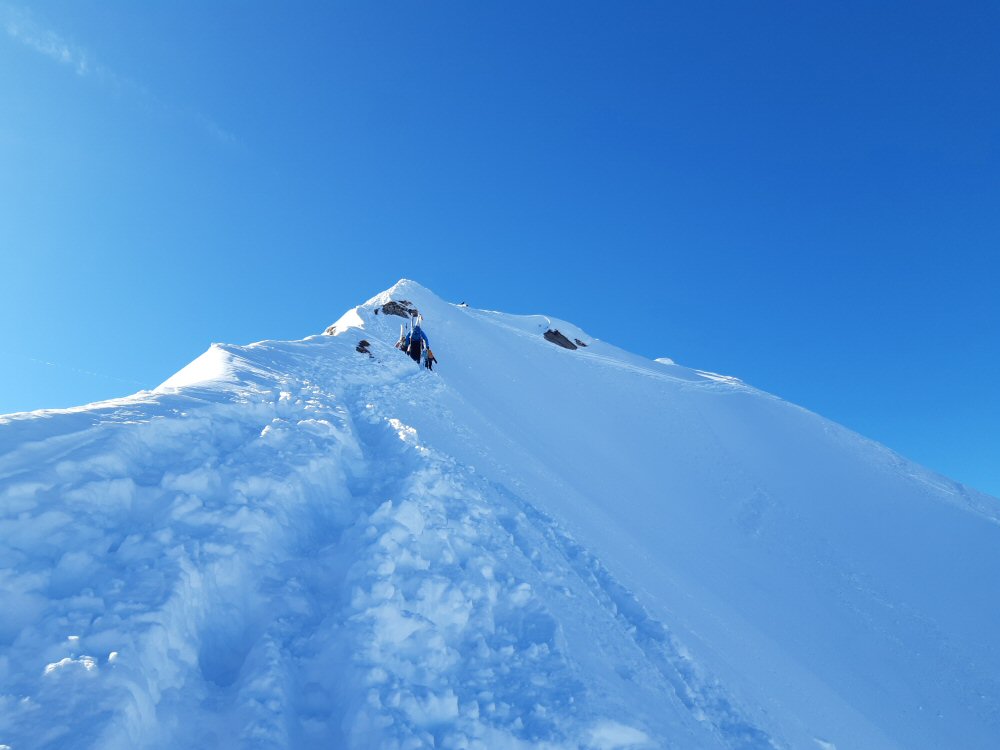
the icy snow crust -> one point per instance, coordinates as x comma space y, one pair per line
293, 545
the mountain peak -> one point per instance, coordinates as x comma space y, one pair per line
325, 544
404, 295
404, 289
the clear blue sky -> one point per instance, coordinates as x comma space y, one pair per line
802, 194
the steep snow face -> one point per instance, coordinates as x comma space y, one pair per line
293, 544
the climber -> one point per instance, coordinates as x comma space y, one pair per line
429, 358
415, 341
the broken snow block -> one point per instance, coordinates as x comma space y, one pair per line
557, 338
403, 308
579, 343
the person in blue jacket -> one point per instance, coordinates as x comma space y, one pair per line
414, 343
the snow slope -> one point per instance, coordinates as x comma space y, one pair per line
294, 545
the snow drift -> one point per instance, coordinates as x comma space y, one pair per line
296, 545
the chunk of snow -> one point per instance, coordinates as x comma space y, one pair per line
611, 735
87, 663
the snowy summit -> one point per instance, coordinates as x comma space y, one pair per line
545, 542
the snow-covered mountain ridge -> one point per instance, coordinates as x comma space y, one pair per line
296, 545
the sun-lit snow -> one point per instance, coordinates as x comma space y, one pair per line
215, 364
296, 545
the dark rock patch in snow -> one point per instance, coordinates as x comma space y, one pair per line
362, 347
403, 308
557, 338
579, 343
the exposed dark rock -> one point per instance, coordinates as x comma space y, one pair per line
403, 308
557, 338
362, 347
579, 343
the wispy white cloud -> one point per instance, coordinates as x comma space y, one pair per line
68, 368
21, 26
215, 130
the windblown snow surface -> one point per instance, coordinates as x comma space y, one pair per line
295, 545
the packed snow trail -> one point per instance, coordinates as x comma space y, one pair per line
294, 569
294, 545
